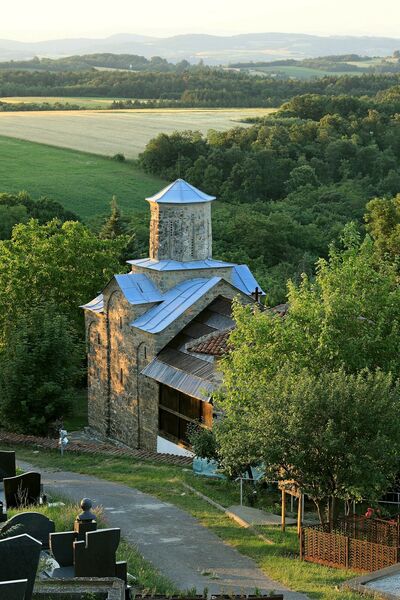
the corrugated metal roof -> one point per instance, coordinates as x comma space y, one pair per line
179, 380
244, 280
138, 289
180, 192
174, 303
174, 265
96, 305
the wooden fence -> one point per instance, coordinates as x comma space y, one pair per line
356, 543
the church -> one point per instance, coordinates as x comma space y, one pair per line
154, 335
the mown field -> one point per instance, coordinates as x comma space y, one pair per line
86, 102
83, 183
110, 132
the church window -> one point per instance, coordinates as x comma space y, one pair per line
120, 322
98, 339
121, 376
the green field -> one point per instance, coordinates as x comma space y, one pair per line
109, 132
83, 183
84, 102
302, 72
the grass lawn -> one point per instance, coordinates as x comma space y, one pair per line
279, 559
148, 578
83, 183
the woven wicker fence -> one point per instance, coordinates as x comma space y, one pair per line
355, 542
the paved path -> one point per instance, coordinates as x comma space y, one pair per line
172, 540
254, 516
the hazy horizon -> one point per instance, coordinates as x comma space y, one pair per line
46, 20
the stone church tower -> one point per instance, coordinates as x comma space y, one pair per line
144, 383
180, 226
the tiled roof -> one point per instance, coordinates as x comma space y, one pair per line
180, 192
214, 344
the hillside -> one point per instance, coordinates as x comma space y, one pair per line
212, 49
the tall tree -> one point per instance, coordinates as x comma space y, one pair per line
63, 264
39, 366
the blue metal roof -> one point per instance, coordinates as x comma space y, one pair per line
175, 302
174, 265
96, 305
138, 289
244, 280
180, 192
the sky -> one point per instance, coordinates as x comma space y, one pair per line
29, 20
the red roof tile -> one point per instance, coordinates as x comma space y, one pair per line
215, 344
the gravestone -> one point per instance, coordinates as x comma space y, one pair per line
62, 547
22, 490
96, 556
3, 515
34, 524
13, 590
19, 559
7, 464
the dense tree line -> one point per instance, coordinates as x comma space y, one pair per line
290, 183
203, 86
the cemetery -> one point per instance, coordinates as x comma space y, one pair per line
38, 561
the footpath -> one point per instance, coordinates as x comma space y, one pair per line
176, 544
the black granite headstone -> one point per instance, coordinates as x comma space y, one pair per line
13, 590
62, 547
22, 490
7, 464
34, 524
19, 559
96, 556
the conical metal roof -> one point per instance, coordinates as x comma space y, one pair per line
180, 192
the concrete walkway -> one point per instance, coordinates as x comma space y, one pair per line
254, 516
168, 537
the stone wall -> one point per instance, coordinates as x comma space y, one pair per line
180, 231
123, 405
165, 280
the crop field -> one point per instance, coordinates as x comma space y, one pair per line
90, 102
109, 132
83, 183
85, 102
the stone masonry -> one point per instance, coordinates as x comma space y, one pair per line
123, 403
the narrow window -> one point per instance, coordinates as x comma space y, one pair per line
98, 339
121, 376
120, 322
145, 352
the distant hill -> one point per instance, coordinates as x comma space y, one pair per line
212, 49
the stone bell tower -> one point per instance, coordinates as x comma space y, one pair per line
180, 226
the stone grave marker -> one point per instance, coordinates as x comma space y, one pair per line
34, 524
62, 547
96, 556
22, 490
13, 590
7, 464
19, 559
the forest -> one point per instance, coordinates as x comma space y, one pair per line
288, 184
195, 87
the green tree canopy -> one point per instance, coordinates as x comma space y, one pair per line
62, 264
39, 366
